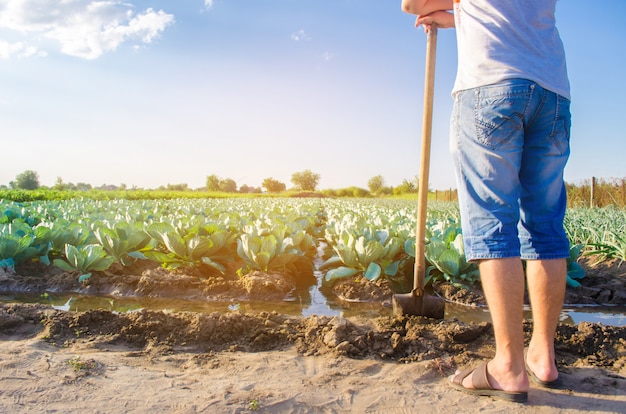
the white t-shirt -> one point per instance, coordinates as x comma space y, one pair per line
504, 39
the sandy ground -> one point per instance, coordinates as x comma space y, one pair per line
91, 377
153, 362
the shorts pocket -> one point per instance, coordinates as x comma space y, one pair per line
499, 114
560, 134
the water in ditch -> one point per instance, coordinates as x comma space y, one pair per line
304, 303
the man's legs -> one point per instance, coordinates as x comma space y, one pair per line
487, 142
503, 284
546, 289
510, 143
543, 204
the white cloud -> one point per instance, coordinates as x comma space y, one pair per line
208, 3
19, 49
84, 28
300, 35
327, 56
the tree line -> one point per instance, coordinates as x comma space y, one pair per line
596, 192
304, 181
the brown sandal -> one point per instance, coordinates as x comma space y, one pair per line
554, 384
482, 386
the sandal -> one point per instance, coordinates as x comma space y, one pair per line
482, 386
554, 384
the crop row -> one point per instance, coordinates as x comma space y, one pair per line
372, 238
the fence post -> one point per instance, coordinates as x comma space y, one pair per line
592, 192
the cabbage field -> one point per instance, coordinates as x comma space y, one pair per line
371, 239
211, 301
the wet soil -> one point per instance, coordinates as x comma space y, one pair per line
604, 284
404, 339
448, 343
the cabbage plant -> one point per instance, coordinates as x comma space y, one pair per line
191, 250
267, 252
373, 254
445, 255
123, 242
84, 259
574, 271
64, 231
19, 242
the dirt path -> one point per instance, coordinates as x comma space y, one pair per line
39, 377
146, 362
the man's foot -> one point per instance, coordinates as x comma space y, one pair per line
480, 385
547, 378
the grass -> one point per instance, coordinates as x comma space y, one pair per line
80, 365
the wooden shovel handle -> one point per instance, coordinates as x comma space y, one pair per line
422, 195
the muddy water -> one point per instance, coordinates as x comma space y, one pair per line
312, 302
571, 314
305, 302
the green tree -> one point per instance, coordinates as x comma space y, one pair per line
228, 185
359, 192
305, 180
245, 188
407, 186
273, 186
213, 183
60, 185
376, 184
386, 191
28, 180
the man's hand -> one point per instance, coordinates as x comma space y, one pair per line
443, 20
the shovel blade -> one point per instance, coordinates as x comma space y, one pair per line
418, 305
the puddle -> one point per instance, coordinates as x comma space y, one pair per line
311, 303
606, 315
570, 314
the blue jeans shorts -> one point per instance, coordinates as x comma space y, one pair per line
510, 143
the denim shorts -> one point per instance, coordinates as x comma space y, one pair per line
510, 143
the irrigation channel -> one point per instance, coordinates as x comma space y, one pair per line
305, 302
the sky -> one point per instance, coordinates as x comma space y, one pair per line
148, 93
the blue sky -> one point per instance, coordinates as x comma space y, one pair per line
149, 93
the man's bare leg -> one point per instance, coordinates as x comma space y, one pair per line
546, 289
503, 284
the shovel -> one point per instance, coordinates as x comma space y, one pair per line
417, 303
